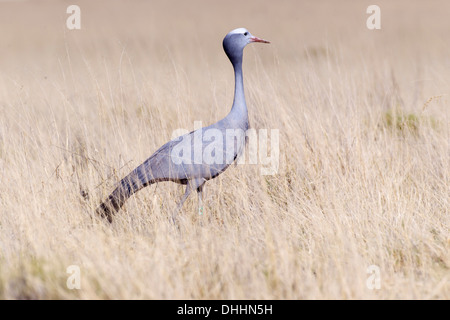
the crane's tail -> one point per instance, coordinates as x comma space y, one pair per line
129, 185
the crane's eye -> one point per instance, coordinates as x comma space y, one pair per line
245, 33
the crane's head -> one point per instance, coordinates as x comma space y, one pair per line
236, 40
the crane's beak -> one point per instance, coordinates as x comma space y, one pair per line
256, 39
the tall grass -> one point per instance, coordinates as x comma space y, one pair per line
364, 155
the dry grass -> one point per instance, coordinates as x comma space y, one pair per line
364, 154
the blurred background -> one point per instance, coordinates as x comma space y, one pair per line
142, 42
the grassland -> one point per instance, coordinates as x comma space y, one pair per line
363, 118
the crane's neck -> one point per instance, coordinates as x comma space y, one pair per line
238, 113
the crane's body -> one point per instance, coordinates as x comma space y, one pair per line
193, 168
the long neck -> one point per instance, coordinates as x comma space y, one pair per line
239, 110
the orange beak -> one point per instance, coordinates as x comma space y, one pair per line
256, 39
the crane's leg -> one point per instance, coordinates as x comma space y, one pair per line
200, 199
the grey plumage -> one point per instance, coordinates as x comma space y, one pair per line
169, 164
